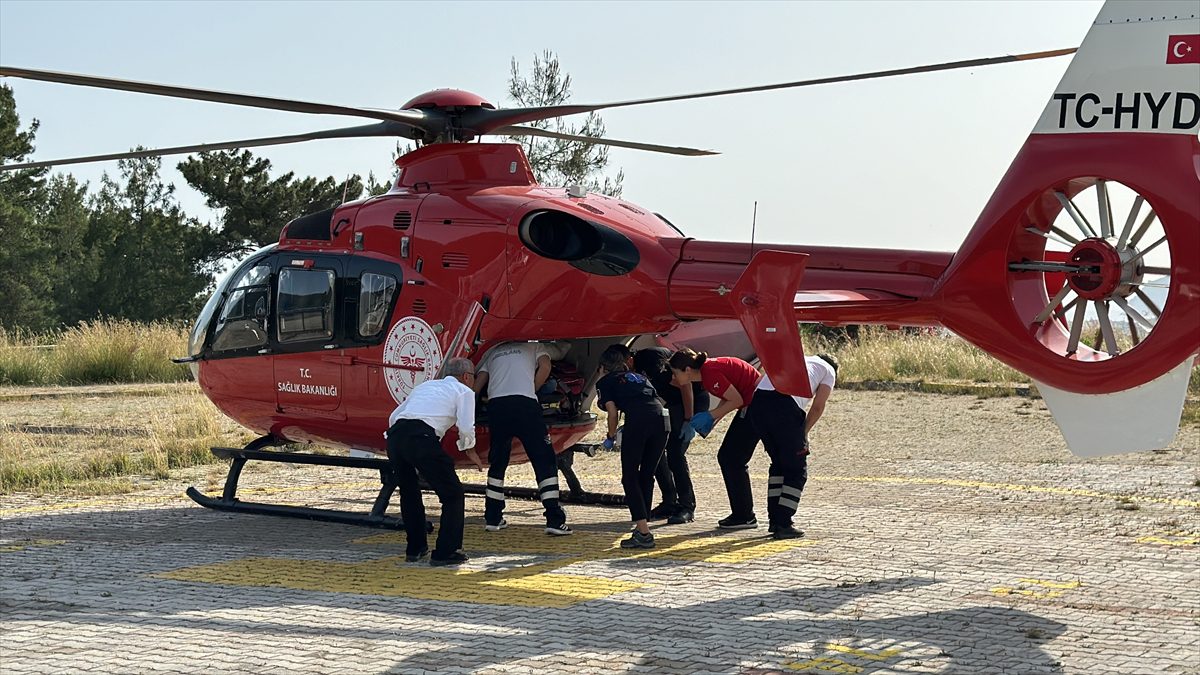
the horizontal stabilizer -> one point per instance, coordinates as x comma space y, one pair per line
1141, 418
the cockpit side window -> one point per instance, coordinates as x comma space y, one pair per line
305, 305
243, 320
374, 303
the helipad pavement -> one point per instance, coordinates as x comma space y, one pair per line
1083, 568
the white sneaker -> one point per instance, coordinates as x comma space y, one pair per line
497, 527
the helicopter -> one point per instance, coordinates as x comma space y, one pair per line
317, 337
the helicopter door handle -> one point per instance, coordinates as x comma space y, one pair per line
403, 247
339, 359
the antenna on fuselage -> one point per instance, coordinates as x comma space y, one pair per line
753, 225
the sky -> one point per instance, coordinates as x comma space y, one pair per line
906, 162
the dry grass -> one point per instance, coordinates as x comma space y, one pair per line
175, 433
884, 355
887, 356
108, 351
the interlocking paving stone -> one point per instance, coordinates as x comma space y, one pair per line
965, 565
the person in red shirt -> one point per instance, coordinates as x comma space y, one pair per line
733, 381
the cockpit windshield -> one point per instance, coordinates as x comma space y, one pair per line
200, 330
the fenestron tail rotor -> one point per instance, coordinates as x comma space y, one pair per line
426, 121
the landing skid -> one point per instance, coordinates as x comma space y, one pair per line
377, 517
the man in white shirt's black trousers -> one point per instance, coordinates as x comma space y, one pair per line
511, 374
414, 445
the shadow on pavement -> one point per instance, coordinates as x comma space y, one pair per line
520, 605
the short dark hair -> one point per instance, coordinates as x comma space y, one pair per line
831, 360
615, 357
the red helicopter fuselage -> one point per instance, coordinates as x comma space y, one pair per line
468, 225
330, 329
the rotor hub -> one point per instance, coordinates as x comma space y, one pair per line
448, 99
1103, 271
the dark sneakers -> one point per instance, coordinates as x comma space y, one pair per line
638, 540
736, 523
681, 517
663, 510
560, 530
415, 557
786, 532
456, 558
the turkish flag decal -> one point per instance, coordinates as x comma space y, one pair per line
1183, 49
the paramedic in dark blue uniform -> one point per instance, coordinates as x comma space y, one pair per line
643, 439
673, 475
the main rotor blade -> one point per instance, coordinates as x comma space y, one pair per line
484, 121
364, 131
596, 140
412, 118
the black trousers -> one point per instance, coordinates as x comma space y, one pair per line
673, 475
413, 447
642, 443
780, 422
734, 459
520, 417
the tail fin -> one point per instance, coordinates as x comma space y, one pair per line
1105, 194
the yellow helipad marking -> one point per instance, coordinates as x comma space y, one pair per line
824, 664
1172, 539
725, 549
541, 584
585, 546
31, 543
393, 577
1038, 590
833, 664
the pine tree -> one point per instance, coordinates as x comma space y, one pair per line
556, 162
27, 254
254, 206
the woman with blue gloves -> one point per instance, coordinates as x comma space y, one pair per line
643, 439
733, 381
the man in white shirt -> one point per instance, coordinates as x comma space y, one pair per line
414, 444
512, 373
784, 422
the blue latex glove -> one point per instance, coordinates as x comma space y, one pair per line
703, 423
687, 433
608, 443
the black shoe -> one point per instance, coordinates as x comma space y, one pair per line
638, 540
787, 532
735, 523
456, 558
663, 510
414, 557
560, 530
681, 517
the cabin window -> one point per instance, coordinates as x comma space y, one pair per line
374, 300
243, 320
305, 305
